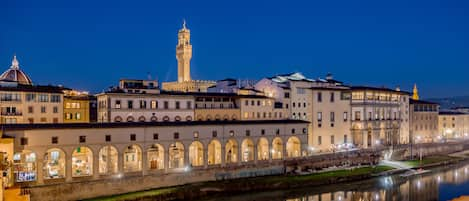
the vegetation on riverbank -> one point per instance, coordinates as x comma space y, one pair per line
257, 183
428, 160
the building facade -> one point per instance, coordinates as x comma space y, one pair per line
423, 121
79, 152
380, 116
453, 125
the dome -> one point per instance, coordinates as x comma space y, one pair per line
15, 74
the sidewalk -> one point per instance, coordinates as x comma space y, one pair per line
13, 194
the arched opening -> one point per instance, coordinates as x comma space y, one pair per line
196, 154
217, 117
24, 165
108, 160
234, 117
214, 153
165, 118
231, 151
176, 155
155, 157
177, 118
82, 162
226, 117
188, 118
141, 119
263, 149
130, 119
153, 119
247, 148
118, 119
54, 164
293, 147
277, 148
208, 118
200, 118
132, 159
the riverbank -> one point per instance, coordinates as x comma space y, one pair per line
227, 187
278, 182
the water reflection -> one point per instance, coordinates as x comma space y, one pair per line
431, 186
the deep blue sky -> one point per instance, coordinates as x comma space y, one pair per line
89, 45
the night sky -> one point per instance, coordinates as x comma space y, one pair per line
89, 45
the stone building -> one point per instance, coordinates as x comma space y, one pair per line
380, 116
54, 154
453, 125
184, 82
23, 102
322, 102
423, 121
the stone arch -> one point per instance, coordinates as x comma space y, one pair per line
231, 151
226, 117
54, 164
234, 117
108, 157
82, 162
196, 154
176, 155
208, 117
188, 118
155, 157
154, 119
165, 118
214, 152
247, 150
24, 166
130, 119
293, 147
132, 158
200, 118
141, 119
277, 148
177, 118
118, 119
263, 149
217, 117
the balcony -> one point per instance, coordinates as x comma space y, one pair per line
11, 113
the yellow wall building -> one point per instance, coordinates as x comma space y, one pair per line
76, 109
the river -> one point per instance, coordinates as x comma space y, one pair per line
443, 183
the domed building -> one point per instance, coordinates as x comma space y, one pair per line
15, 74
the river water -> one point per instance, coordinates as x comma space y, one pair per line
444, 183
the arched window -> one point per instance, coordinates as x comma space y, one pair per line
141, 119
293, 147
118, 119
155, 155
153, 119
217, 117
226, 117
54, 164
234, 117
214, 153
208, 118
247, 150
177, 118
263, 149
82, 162
176, 155
231, 151
196, 154
277, 148
108, 160
132, 158
24, 164
165, 118
188, 118
130, 119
